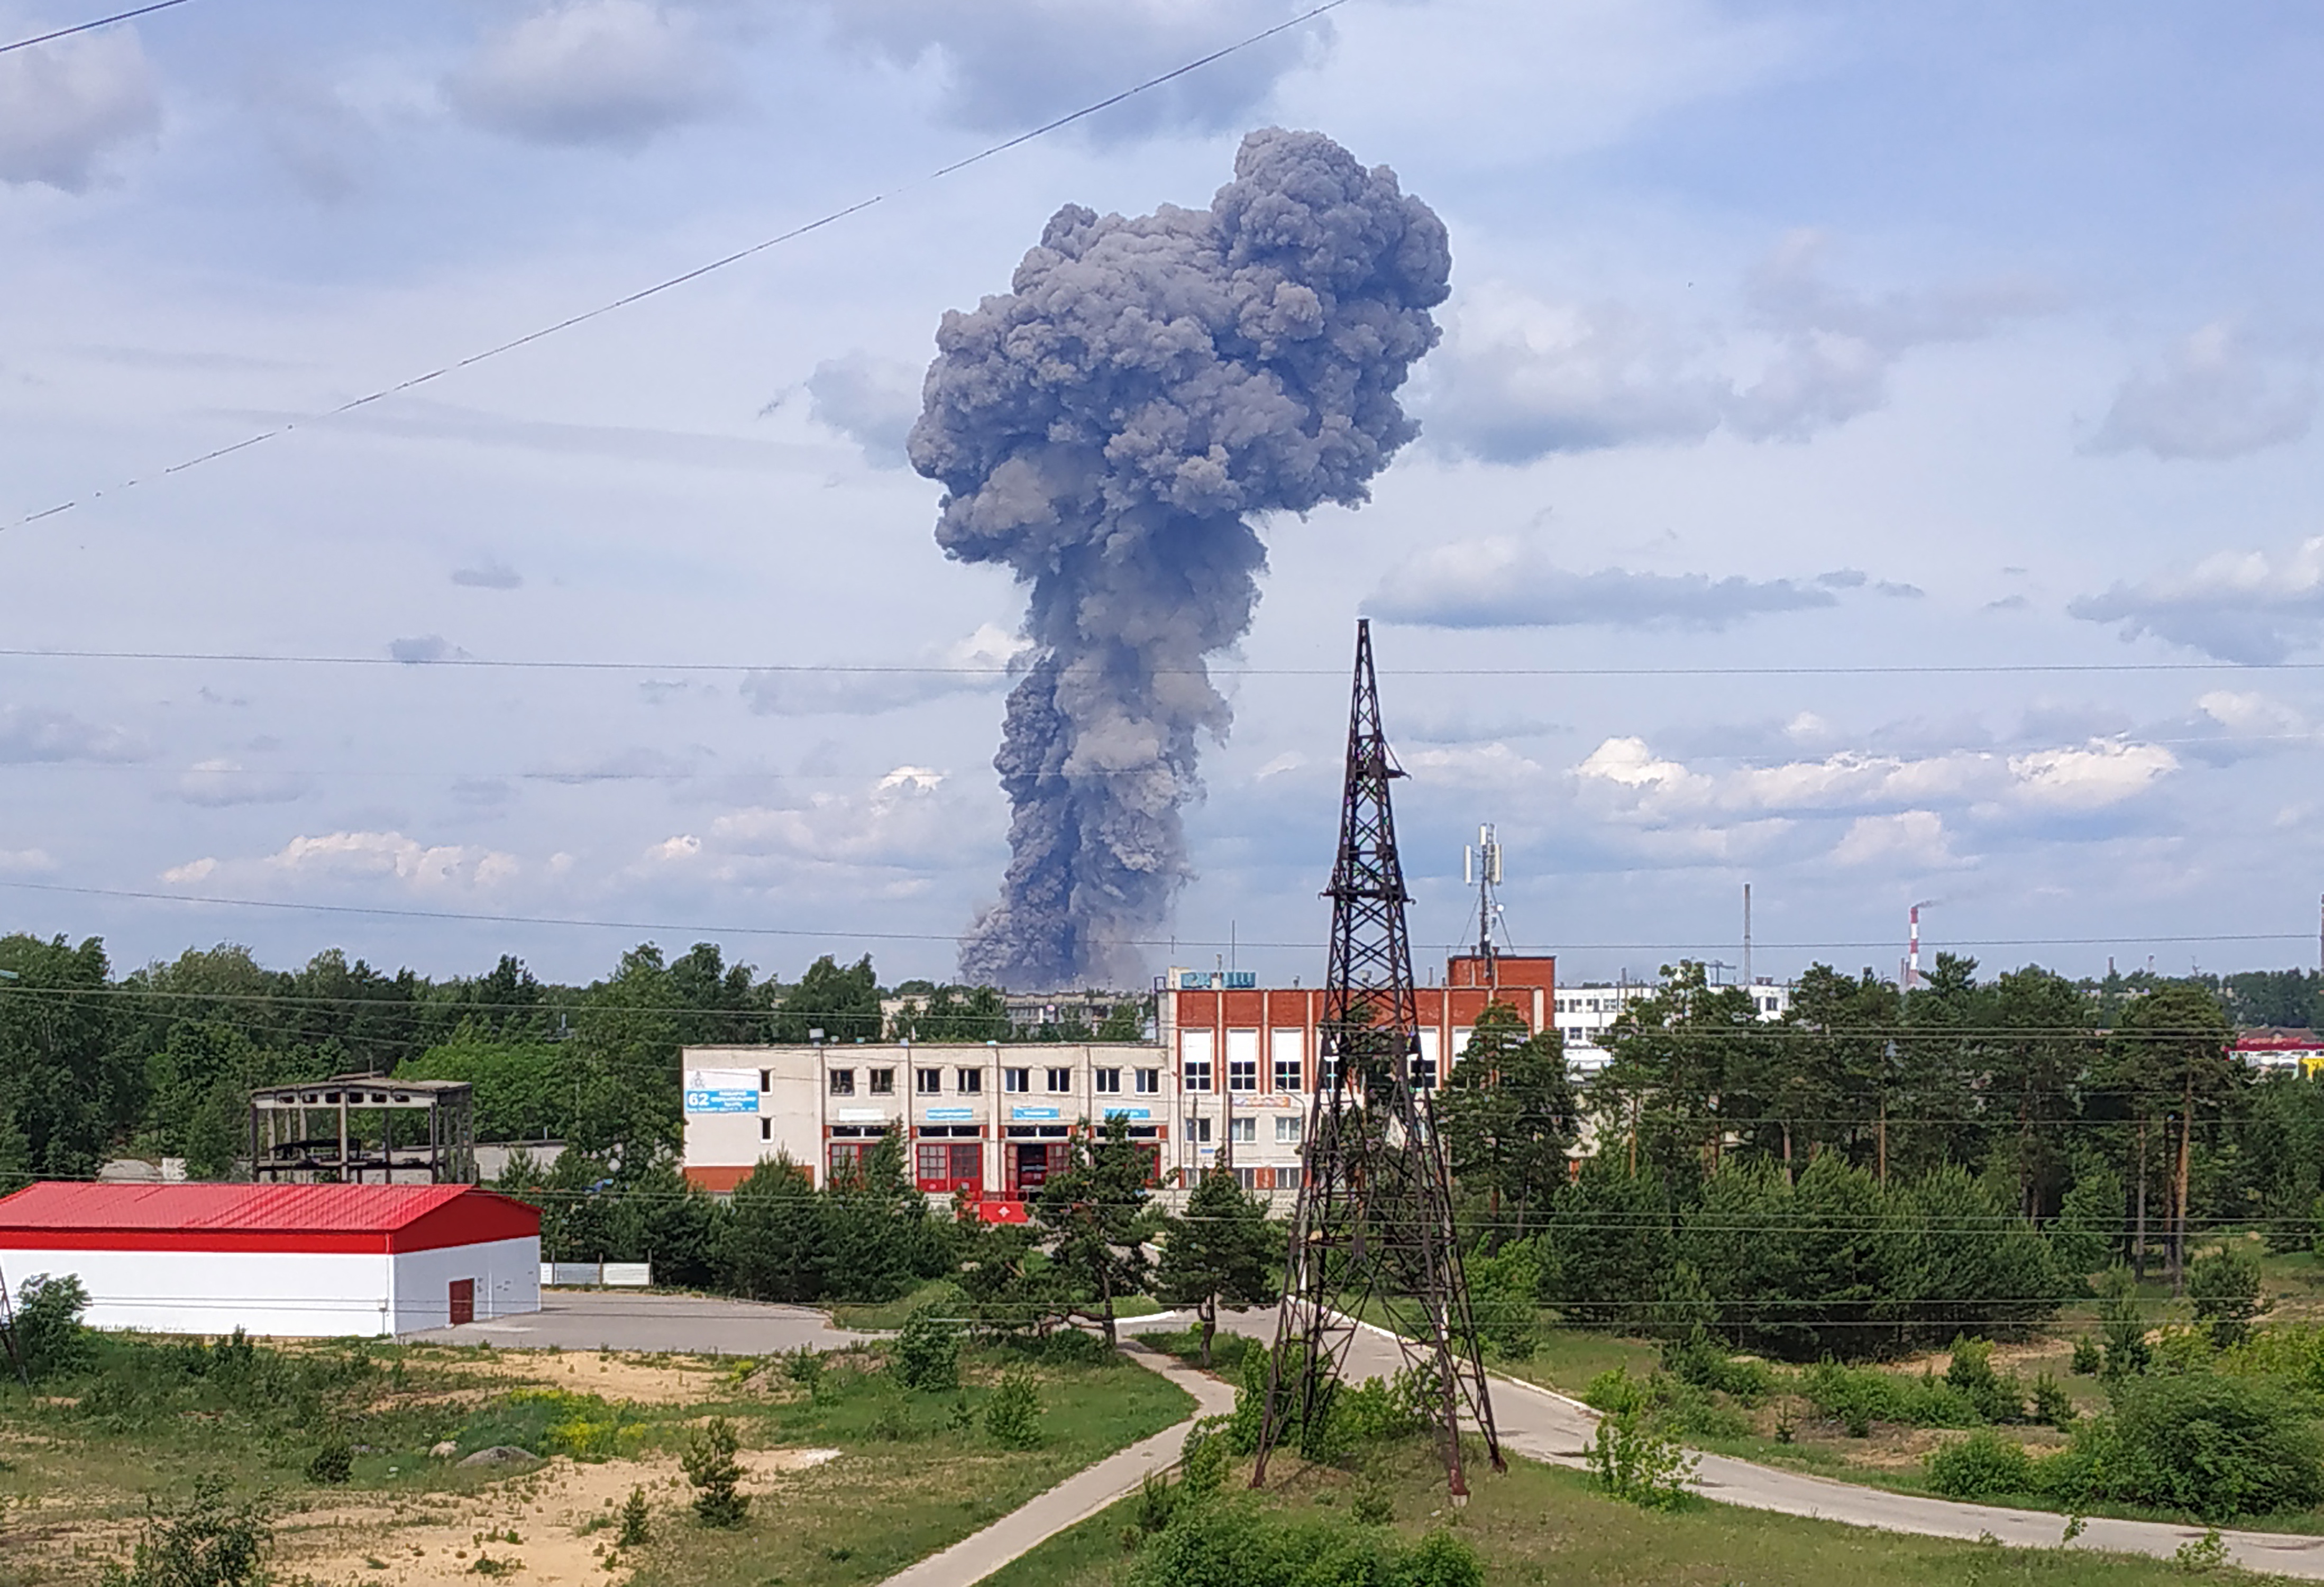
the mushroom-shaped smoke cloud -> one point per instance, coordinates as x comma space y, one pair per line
1107, 429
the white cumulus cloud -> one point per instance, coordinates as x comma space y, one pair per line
592, 71
1520, 377
2251, 605
67, 106
363, 856
2221, 393
1501, 582
977, 664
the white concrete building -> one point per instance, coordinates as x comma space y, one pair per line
1584, 1013
288, 1260
1228, 1082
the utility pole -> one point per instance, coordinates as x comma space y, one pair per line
1373, 1226
1747, 938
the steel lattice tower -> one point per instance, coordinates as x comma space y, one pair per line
1373, 1226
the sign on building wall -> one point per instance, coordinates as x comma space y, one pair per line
721, 1090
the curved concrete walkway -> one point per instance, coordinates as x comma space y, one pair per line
1079, 1496
1545, 1426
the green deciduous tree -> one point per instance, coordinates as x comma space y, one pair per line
67, 1082
522, 1089
844, 1004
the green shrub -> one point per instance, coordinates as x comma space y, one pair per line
1203, 1460
333, 1463
204, 1542
1012, 1416
1699, 1361
1232, 1544
1069, 1347
2090, 1357
1858, 1397
1669, 1403
716, 1475
2290, 1351
2224, 1288
1983, 1465
927, 1351
2205, 1444
48, 1330
1503, 1288
1634, 1462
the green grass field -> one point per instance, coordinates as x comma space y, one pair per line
1540, 1526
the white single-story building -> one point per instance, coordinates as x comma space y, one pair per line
290, 1261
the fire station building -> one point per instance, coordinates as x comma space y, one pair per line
1226, 1084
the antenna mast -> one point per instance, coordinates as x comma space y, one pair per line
1482, 866
1373, 1226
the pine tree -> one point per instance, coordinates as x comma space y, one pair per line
1220, 1250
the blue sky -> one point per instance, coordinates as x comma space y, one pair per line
1825, 336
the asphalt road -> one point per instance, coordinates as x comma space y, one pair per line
1547, 1427
614, 1319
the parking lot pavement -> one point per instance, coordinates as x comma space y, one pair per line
612, 1319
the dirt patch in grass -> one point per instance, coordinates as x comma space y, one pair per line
611, 1375
553, 1526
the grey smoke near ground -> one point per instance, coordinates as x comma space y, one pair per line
1108, 429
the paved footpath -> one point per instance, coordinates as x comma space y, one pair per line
1079, 1496
1544, 1426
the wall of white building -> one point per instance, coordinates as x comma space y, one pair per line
289, 1294
1583, 1014
506, 1273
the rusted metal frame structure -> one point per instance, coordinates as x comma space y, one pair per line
1373, 1224
283, 1148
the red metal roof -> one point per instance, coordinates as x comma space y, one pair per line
55, 1213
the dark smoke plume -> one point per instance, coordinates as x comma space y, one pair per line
1107, 429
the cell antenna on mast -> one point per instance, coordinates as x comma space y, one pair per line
1372, 1232
1480, 867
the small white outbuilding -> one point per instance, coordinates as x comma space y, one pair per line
288, 1260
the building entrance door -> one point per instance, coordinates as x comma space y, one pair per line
1035, 1162
464, 1300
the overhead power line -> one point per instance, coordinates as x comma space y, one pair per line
1000, 671
83, 27
698, 272
828, 934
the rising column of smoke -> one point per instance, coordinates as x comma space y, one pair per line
1107, 429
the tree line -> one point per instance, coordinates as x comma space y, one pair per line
156, 1061
1881, 1168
